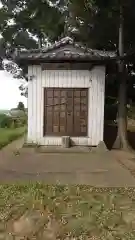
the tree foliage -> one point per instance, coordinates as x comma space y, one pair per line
30, 18
27, 24
21, 106
35, 23
94, 22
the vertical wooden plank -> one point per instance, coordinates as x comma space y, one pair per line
52, 76
71, 77
94, 106
40, 104
102, 103
37, 102
57, 78
90, 107
34, 104
30, 106
94, 116
98, 79
44, 78
42, 83
49, 79
44, 113
99, 107
64, 80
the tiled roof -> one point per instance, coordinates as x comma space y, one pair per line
49, 54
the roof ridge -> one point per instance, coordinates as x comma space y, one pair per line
64, 41
48, 52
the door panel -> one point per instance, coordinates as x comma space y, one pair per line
66, 111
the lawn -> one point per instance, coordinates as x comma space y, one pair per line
52, 212
7, 135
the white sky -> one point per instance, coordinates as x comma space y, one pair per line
10, 94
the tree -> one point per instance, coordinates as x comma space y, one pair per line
121, 140
101, 18
21, 106
38, 18
23, 25
93, 22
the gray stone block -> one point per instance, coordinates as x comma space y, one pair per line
101, 147
65, 141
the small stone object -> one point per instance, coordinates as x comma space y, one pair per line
16, 153
66, 142
101, 147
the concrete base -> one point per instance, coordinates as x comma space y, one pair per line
58, 149
101, 148
29, 145
97, 170
66, 142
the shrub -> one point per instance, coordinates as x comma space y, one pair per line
9, 135
5, 121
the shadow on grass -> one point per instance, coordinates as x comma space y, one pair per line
110, 133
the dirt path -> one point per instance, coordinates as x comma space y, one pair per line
17, 144
11, 147
8, 152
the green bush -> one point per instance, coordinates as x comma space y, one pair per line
5, 121
24, 120
9, 135
12, 121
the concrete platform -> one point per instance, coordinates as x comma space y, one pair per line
59, 149
99, 170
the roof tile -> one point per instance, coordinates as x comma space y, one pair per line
46, 53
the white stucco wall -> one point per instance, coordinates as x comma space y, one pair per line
94, 80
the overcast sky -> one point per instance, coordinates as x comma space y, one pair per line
9, 92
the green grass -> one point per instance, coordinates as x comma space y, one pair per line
68, 212
8, 135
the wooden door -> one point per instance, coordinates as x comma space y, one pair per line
66, 111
